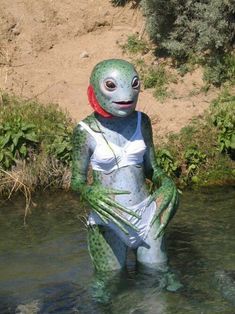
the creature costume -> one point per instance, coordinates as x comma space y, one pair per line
107, 160
117, 141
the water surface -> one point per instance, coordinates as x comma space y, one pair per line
45, 266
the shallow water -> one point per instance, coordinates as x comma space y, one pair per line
45, 266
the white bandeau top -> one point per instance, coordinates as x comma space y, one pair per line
108, 156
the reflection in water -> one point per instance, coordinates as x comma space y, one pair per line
45, 267
226, 283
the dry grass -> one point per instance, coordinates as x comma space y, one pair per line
11, 183
43, 173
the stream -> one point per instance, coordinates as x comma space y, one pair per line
45, 266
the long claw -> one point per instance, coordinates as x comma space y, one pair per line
151, 199
102, 217
162, 207
159, 232
110, 218
118, 192
119, 206
164, 204
117, 216
165, 216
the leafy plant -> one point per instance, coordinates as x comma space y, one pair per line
49, 134
61, 147
6, 157
223, 117
166, 161
17, 138
194, 158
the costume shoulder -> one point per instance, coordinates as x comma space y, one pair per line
90, 122
145, 120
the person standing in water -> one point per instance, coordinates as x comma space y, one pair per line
116, 140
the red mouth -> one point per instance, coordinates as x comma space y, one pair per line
124, 104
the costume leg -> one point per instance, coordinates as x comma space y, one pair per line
154, 253
107, 251
154, 256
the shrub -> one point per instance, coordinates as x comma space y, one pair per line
202, 153
194, 158
17, 138
135, 45
166, 161
220, 68
29, 128
223, 117
183, 29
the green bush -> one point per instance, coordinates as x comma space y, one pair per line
166, 161
223, 117
194, 159
220, 68
203, 152
17, 138
184, 29
135, 45
29, 128
61, 147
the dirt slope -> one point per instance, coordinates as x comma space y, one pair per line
48, 49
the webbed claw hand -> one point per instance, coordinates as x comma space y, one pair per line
167, 199
106, 208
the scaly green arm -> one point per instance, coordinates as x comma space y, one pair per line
96, 195
164, 192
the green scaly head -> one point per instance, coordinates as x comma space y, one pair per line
116, 86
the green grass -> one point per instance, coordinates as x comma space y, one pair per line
158, 78
134, 45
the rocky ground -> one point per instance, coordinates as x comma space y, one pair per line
48, 49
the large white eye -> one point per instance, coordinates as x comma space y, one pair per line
135, 82
110, 85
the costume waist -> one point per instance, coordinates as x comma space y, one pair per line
134, 238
